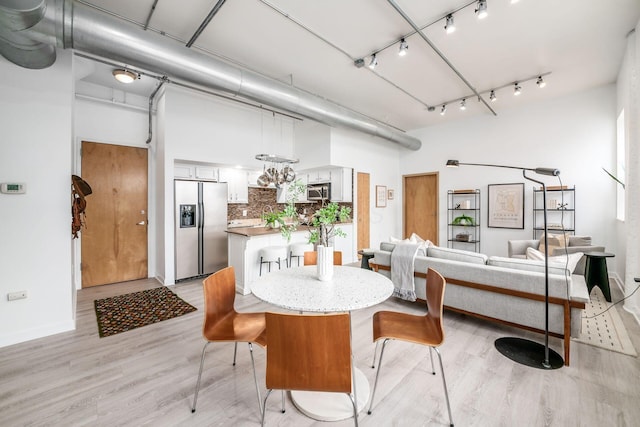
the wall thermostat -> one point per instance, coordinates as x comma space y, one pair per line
13, 188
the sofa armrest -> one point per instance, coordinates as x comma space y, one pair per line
580, 267
519, 247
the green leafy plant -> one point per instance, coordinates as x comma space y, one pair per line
273, 219
323, 224
463, 220
614, 178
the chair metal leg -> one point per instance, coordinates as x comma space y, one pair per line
433, 368
255, 379
195, 396
260, 266
375, 384
282, 397
355, 408
444, 384
375, 350
235, 351
265, 405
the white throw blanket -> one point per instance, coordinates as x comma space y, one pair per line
402, 268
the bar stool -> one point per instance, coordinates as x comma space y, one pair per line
297, 250
271, 254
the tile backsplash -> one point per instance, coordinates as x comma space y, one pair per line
265, 199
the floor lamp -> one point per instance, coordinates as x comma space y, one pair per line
520, 350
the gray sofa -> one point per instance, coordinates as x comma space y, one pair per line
518, 249
507, 290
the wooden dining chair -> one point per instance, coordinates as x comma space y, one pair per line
311, 258
425, 330
310, 353
222, 323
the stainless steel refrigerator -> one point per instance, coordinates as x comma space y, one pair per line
200, 224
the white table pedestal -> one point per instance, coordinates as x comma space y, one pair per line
323, 406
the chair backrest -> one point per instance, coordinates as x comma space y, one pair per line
311, 258
219, 295
435, 299
308, 352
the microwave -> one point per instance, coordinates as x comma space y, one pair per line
319, 192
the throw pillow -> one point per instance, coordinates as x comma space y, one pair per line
569, 261
555, 241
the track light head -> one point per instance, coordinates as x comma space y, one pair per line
124, 75
541, 83
443, 110
463, 104
449, 25
517, 89
492, 96
481, 11
404, 48
374, 62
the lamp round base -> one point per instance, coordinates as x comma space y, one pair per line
529, 353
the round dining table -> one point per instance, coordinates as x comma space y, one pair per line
350, 288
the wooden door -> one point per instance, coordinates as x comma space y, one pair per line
420, 212
114, 242
363, 205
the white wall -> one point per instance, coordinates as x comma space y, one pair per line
575, 134
380, 159
35, 230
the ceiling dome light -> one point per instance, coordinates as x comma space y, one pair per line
374, 62
404, 48
492, 96
517, 89
124, 76
541, 83
443, 110
463, 104
481, 11
449, 26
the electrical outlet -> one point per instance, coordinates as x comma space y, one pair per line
12, 296
244, 212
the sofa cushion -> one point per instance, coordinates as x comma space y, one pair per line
456, 255
579, 241
570, 260
525, 264
555, 241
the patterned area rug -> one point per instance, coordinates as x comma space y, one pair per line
125, 312
605, 330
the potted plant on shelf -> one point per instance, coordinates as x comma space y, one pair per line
463, 220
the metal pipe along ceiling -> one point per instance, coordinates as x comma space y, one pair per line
74, 25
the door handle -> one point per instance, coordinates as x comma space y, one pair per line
141, 223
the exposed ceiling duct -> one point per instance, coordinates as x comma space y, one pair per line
29, 41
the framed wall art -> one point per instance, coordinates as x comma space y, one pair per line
506, 205
381, 196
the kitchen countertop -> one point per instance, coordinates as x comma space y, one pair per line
264, 231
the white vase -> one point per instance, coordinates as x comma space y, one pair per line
325, 263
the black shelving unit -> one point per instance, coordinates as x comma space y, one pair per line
460, 234
561, 211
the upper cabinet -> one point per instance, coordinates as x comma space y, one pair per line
341, 184
319, 176
238, 184
191, 171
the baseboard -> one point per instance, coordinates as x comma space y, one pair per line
620, 284
35, 333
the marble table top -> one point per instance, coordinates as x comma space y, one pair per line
298, 289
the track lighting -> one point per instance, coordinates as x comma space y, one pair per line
449, 26
481, 11
404, 48
541, 83
124, 76
374, 62
517, 89
492, 96
463, 104
443, 110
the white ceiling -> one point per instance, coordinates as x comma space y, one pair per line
313, 45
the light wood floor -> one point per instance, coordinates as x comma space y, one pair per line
147, 377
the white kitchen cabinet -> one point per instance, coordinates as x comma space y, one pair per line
191, 171
345, 244
341, 185
237, 182
320, 175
